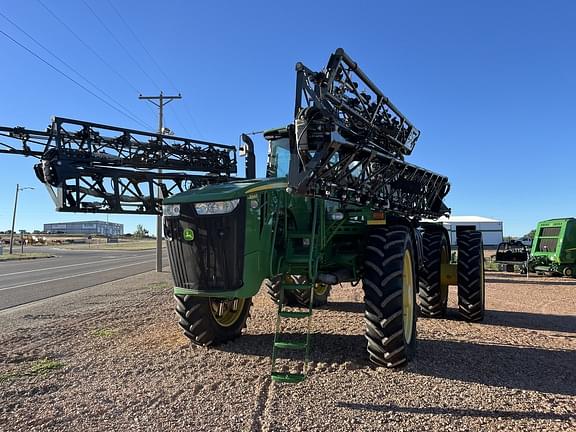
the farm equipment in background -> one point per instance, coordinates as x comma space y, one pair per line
554, 247
339, 204
512, 253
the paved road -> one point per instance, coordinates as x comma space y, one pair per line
31, 280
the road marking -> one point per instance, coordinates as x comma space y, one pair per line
66, 266
76, 275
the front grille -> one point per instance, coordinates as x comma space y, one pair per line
547, 245
550, 232
214, 259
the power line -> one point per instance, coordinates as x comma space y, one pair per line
179, 120
120, 44
107, 64
159, 67
70, 78
142, 45
126, 110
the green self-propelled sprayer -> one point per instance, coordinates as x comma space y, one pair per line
339, 204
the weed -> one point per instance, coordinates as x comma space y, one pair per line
159, 286
45, 365
104, 332
38, 367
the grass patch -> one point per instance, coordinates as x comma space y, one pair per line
36, 368
24, 256
159, 286
104, 332
45, 365
8, 376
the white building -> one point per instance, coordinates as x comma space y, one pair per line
491, 229
108, 229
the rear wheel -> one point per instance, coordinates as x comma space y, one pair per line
273, 288
321, 294
298, 297
212, 321
433, 292
471, 289
390, 282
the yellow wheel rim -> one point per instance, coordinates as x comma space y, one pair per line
226, 312
444, 261
407, 296
320, 289
482, 286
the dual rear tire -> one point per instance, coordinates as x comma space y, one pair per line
433, 292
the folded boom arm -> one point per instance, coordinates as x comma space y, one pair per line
90, 167
348, 144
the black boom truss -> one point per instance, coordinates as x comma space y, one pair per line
90, 167
349, 143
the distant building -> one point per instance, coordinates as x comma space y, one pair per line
108, 229
492, 230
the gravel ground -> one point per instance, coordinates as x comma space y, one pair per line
111, 358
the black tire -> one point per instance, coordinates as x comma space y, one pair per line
432, 294
471, 288
199, 323
273, 288
300, 298
391, 338
321, 294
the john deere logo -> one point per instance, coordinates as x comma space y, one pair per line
188, 234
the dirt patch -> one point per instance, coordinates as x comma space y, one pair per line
121, 363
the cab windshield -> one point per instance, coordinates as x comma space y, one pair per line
278, 158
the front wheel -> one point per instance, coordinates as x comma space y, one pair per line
212, 321
390, 282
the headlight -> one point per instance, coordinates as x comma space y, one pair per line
216, 207
171, 210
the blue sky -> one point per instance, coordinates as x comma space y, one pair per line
490, 84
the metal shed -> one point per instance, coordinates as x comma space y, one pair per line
492, 229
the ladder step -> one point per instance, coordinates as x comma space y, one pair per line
288, 377
290, 345
295, 314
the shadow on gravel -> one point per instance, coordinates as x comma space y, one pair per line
542, 370
534, 369
459, 412
326, 348
353, 307
525, 281
531, 321
525, 320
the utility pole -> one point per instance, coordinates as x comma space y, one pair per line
18, 189
160, 101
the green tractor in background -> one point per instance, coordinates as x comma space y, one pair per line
554, 247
